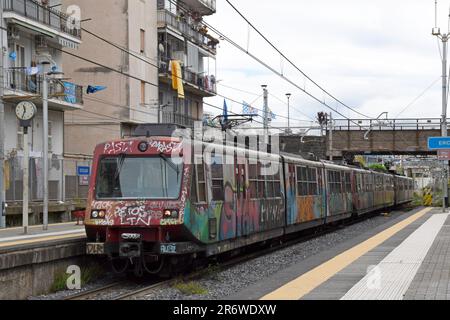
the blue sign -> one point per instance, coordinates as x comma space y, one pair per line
84, 171
438, 143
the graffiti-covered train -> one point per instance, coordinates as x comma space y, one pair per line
157, 203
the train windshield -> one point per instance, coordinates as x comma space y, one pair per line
125, 177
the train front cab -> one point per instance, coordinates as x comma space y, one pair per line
137, 200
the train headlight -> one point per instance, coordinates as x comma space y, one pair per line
98, 214
167, 214
170, 214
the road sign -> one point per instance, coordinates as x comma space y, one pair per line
444, 155
438, 143
83, 171
84, 180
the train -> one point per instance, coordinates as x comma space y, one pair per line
156, 205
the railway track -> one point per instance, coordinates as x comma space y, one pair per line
124, 290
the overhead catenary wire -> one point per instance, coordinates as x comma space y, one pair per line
291, 62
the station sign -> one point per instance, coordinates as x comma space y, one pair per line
444, 155
438, 143
83, 171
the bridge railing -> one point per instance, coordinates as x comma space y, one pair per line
386, 124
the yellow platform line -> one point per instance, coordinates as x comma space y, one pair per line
44, 239
307, 282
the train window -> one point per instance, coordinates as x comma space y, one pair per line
348, 182
217, 178
201, 182
302, 181
253, 179
335, 182
359, 183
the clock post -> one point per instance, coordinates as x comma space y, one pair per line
25, 112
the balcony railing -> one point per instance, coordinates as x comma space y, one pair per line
203, 81
17, 79
35, 11
190, 31
209, 3
176, 118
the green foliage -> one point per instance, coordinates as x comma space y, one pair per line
378, 167
88, 274
190, 288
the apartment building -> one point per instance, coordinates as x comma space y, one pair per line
183, 37
131, 25
32, 35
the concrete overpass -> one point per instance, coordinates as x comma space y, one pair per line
384, 137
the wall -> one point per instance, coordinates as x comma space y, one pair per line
120, 22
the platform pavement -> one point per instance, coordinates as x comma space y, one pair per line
12, 238
408, 258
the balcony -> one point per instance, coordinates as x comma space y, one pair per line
176, 118
192, 31
198, 83
205, 7
33, 15
63, 95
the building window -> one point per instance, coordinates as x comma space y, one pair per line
142, 93
142, 41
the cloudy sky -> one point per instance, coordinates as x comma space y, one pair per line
375, 56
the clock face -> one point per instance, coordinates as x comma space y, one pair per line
25, 111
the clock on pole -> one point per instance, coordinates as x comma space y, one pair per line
25, 112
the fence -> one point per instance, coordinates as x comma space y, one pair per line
64, 183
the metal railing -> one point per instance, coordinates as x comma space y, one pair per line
190, 31
209, 3
64, 184
35, 11
17, 79
201, 80
176, 118
387, 124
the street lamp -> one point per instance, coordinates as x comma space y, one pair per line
444, 131
288, 95
45, 81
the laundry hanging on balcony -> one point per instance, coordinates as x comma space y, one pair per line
177, 78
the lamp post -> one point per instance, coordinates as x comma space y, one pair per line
45, 81
444, 131
288, 95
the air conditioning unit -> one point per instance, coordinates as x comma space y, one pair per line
13, 33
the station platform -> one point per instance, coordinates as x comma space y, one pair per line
407, 258
15, 239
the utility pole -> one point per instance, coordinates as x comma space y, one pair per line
331, 137
45, 147
2, 127
288, 95
444, 132
26, 166
266, 113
